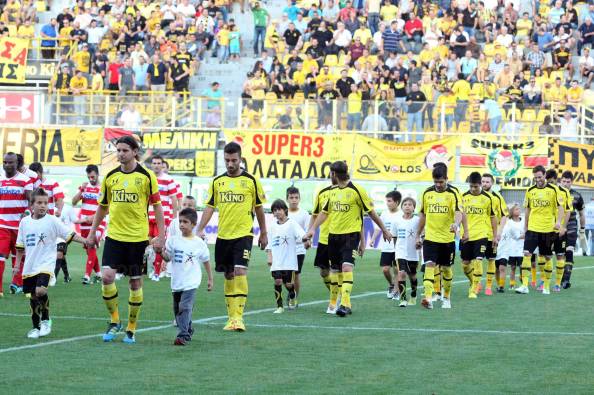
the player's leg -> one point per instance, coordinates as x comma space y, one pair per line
530, 245
501, 267
61, 258
431, 252
29, 285
540, 260
348, 251
4, 251
184, 317
45, 326
386, 263
112, 257
491, 267
334, 257
560, 251
297, 275
545, 246
289, 283
566, 281
90, 263
514, 262
241, 257
402, 282
322, 262
278, 291
224, 264
134, 271
412, 275
436, 283
17, 278
468, 266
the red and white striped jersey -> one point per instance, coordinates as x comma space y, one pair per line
33, 176
54, 192
13, 199
90, 202
180, 194
167, 190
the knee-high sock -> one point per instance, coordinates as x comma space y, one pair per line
96, 266
437, 280
548, 272
333, 288
57, 268
541, 267
64, 266
402, 289
468, 272
241, 290
347, 288
559, 269
134, 304
44, 307
2, 265
230, 299
35, 311
428, 281
91, 259
490, 272
477, 274
17, 279
526, 268
414, 283
447, 274
291, 290
566, 272
339, 277
327, 280
278, 295
110, 297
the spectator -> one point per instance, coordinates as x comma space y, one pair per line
461, 89
468, 67
222, 38
113, 75
261, 20
586, 66
373, 14
78, 86
130, 119
568, 127
415, 104
374, 123
446, 105
354, 107
532, 93
586, 34
234, 44
141, 74
213, 105
392, 40
179, 74
49, 34
157, 73
493, 115
546, 128
292, 37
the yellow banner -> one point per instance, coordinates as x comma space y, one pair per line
579, 158
510, 163
288, 155
54, 147
382, 160
13, 60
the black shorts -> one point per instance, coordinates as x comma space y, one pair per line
343, 249
559, 244
388, 259
62, 247
300, 260
231, 253
515, 261
544, 242
39, 280
124, 256
571, 239
322, 261
409, 267
286, 275
501, 262
442, 254
490, 252
475, 249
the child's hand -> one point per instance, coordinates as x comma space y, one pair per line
307, 244
209, 285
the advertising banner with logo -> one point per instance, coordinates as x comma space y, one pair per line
188, 152
309, 155
19, 107
13, 60
41, 69
54, 147
579, 158
510, 163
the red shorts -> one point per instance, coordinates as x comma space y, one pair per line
8, 239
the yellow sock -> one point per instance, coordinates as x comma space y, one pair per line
110, 297
347, 287
501, 282
447, 276
559, 269
333, 288
327, 281
541, 267
437, 280
533, 273
230, 299
339, 277
477, 274
490, 272
241, 290
526, 267
548, 271
134, 303
428, 281
512, 283
468, 269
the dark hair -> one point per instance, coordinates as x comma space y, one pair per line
292, 191
539, 168
395, 196
440, 170
567, 174
190, 214
36, 167
37, 192
232, 148
157, 157
130, 141
279, 204
475, 178
551, 174
489, 175
20, 160
92, 168
409, 199
340, 169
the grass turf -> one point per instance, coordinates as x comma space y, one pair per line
506, 343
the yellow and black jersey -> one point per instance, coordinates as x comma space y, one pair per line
566, 201
562, 55
440, 210
128, 195
500, 208
345, 208
479, 210
319, 202
235, 198
184, 58
543, 203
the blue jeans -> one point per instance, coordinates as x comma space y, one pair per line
259, 34
449, 121
354, 121
460, 111
373, 22
494, 124
414, 122
223, 53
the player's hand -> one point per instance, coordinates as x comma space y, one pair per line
498, 237
201, 234
557, 226
307, 245
308, 236
361, 249
418, 243
453, 228
158, 244
495, 244
91, 240
209, 285
562, 231
387, 235
263, 241
464, 239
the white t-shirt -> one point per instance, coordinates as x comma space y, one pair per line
406, 232
186, 254
516, 230
283, 245
38, 238
302, 219
388, 218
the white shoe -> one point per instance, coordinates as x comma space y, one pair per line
331, 309
445, 303
522, 290
119, 276
45, 328
155, 278
396, 296
52, 281
33, 334
546, 291
390, 294
279, 310
403, 303
436, 298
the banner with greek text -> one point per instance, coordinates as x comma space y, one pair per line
579, 158
13, 60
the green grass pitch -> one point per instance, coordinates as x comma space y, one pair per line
501, 344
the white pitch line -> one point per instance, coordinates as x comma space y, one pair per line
74, 317
221, 317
